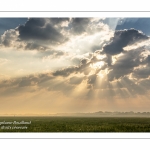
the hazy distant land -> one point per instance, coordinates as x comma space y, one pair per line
92, 114
108, 114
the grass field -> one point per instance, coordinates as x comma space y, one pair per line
75, 124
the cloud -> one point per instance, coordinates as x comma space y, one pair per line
92, 79
78, 25
58, 21
35, 34
133, 87
8, 38
148, 59
143, 72
125, 64
37, 29
35, 46
83, 67
31, 80
37, 82
76, 80
51, 54
66, 71
121, 39
145, 83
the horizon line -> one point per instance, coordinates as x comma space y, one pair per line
47, 114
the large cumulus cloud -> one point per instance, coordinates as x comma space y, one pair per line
35, 34
121, 39
38, 29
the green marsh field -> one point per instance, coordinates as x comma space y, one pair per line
74, 124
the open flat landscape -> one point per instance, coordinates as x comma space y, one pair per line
74, 124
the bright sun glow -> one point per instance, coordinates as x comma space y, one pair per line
97, 65
100, 57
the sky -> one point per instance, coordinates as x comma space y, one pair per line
69, 65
